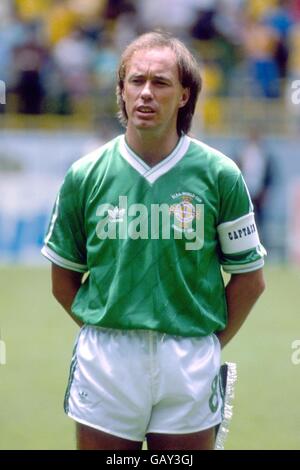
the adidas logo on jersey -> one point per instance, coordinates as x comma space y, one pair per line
116, 214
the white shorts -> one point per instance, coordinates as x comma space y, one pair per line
130, 383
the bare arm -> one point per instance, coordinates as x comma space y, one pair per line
65, 284
242, 291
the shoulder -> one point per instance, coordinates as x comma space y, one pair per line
92, 159
214, 160
90, 168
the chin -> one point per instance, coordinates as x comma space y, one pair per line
145, 125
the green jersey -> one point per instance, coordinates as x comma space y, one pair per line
153, 239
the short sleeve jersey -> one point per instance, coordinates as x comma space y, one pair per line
154, 239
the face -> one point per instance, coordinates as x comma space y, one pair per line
152, 92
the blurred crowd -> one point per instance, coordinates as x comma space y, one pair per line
55, 54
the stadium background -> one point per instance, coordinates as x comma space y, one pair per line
57, 68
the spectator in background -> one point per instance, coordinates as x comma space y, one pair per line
29, 60
204, 26
105, 64
176, 16
61, 20
12, 35
73, 57
260, 45
280, 19
125, 27
228, 19
257, 168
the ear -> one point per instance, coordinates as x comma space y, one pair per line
184, 97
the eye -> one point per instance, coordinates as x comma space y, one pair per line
137, 81
160, 83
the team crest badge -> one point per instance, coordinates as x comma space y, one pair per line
185, 211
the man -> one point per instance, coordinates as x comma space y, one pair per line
152, 216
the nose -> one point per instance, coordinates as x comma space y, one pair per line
146, 92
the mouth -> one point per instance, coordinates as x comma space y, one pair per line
145, 110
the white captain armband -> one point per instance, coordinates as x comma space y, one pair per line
238, 235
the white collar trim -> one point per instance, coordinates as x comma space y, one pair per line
151, 174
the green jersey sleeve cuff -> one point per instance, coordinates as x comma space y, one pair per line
62, 262
243, 268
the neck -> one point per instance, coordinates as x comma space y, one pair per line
151, 148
